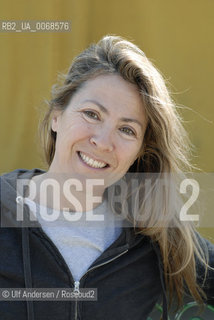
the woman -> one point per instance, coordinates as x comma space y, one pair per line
110, 122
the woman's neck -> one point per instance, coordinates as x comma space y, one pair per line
60, 193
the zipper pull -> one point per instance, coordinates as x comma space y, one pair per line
76, 287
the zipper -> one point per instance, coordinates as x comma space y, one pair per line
76, 290
101, 264
77, 283
76, 286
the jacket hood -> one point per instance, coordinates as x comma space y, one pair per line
12, 195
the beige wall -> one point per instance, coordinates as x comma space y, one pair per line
176, 34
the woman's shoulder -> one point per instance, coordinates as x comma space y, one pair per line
21, 173
13, 181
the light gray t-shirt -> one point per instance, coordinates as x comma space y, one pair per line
79, 242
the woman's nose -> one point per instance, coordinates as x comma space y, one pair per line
102, 141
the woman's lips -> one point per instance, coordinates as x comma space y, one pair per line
92, 162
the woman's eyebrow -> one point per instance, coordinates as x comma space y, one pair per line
99, 105
105, 110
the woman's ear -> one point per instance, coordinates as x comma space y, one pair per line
55, 120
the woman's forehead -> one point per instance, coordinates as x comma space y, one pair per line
110, 90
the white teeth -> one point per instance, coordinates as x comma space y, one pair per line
91, 162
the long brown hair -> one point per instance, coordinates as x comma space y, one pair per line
165, 149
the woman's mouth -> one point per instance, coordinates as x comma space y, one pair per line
92, 162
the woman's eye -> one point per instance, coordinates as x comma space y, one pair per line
91, 114
128, 131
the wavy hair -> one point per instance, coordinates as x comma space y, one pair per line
165, 149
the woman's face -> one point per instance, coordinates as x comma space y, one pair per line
100, 133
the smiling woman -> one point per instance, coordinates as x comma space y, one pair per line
110, 128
